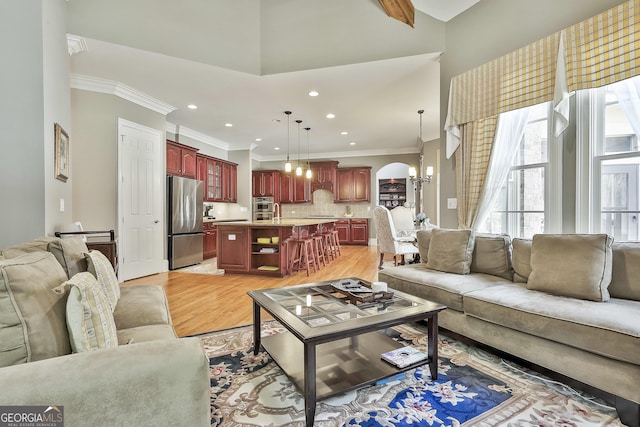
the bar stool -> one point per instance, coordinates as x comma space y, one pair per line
319, 251
304, 256
335, 242
328, 246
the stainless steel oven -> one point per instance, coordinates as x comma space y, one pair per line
262, 208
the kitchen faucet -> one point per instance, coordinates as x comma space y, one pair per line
276, 207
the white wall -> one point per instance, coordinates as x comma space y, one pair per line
32, 83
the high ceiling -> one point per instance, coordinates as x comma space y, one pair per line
375, 99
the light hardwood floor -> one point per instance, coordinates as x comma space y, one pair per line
202, 302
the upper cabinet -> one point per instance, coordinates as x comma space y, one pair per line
266, 183
181, 160
353, 185
220, 179
294, 189
323, 175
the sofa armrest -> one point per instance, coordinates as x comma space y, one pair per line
150, 383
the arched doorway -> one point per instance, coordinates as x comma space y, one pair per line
394, 178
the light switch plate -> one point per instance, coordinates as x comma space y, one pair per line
452, 203
61, 205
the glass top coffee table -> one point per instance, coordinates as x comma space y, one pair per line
334, 343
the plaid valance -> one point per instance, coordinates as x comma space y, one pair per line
598, 51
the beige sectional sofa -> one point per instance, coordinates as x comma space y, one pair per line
568, 303
150, 377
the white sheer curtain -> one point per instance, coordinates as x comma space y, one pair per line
510, 131
628, 93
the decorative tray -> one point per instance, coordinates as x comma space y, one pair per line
359, 291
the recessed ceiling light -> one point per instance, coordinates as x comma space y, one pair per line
276, 148
228, 125
352, 143
192, 107
331, 116
313, 93
258, 139
344, 132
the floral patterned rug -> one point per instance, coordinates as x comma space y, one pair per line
474, 388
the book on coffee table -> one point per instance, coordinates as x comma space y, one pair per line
404, 356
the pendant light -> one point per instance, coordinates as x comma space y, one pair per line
287, 165
309, 173
298, 168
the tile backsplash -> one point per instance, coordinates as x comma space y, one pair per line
322, 204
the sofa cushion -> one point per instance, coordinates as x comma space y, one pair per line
32, 316
521, 259
611, 329
89, 316
36, 245
424, 239
101, 268
625, 275
572, 265
451, 250
146, 333
70, 254
141, 306
492, 255
437, 286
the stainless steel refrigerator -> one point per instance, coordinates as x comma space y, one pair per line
184, 197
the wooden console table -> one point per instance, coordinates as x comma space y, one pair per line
108, 247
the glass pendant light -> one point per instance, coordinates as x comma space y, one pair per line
298, 167
287, 165
309, 173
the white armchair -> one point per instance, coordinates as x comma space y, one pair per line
388, 240
402, 217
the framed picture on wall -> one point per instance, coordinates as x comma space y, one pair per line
61, 153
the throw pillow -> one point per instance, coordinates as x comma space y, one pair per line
89, 318
625, 271
492, 255
101, 268
424, 239
571, 265
450, 250
521, 259
70, 254
32, 318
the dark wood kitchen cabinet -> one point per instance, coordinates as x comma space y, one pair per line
210, 240
323, 175
294, 189
353, 185
266, 183
220, 179
353, 231
181, 160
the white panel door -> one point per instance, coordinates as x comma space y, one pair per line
140, 200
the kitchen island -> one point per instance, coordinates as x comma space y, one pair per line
263, 247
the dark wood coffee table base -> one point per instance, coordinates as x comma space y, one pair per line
346, 363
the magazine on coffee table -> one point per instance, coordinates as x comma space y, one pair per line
404, 356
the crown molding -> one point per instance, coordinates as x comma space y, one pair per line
76, 44
340, 154
199, 136
94, 84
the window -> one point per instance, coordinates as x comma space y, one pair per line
612, 178
521, 207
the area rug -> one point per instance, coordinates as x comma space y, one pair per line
474, 388
205, 267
